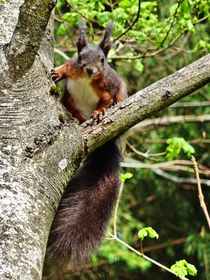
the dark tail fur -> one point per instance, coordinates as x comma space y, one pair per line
84, 212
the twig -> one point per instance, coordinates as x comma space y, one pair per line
158, 51
174, 17
61, 53
82, 268
183, 50
200, 193
190, 104
194, 141
147, 154
132, 24
167, 165
179, 180
77, 11
205, 253
145, 55
116, 209
168, 120
145, 257
65, 25
163, 245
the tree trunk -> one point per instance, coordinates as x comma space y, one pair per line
36, 159
41, 147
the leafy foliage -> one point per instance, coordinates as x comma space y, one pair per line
147, 232
122, 254
176, 145
183, 268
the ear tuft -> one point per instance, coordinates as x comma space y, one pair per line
105, 44
82, 40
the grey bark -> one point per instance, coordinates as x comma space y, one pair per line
38, 152
40, 146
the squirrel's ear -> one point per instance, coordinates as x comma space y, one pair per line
82, 40
105, 44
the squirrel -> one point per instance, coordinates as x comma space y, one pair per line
91, 86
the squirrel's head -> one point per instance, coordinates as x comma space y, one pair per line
91, 58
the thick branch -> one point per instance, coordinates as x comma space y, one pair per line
28, 34
148, 101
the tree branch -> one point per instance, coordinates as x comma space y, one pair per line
168, 120
179, 180
30, 29
200, 192
191, 104
152, 99
172, 23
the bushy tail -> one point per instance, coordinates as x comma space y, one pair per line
85, 209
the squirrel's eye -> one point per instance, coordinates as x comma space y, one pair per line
102, 60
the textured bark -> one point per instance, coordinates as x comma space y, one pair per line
22, 48
40, 145
38, 152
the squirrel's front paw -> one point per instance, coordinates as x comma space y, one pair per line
56, 76
98, 114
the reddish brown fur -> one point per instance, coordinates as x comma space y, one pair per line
107, 98
69, 70
121, 95
102, 87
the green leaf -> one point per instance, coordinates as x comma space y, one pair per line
191, 269
173, 9
190, 26
142, 233
147, 232
125, 176
202, 45
139, 66
59, 3
183, 268
176, 145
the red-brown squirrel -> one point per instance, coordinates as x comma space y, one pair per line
92, 86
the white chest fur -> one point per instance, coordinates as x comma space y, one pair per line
84, 96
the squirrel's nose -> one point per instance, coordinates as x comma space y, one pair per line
89, 71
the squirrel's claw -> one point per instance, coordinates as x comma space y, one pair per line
56, 76
98, 115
